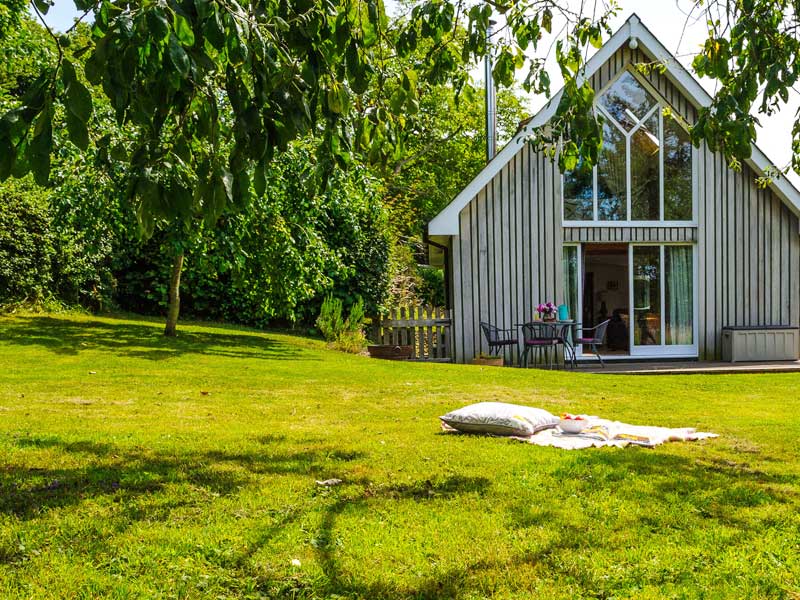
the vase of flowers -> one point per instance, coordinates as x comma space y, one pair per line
547, 311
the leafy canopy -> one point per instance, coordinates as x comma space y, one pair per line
211, 90
752, 50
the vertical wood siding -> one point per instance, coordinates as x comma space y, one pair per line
748, 254
507, 256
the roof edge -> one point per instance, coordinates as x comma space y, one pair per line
447, 221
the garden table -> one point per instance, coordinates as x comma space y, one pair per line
560, 331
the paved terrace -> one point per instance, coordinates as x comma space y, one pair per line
688, 367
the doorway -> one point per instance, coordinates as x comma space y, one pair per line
606, 294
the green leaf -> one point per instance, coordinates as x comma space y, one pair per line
93, 69
214, 31
203, 7
148, 196
227, 183
259, 180
43, 5
183, 30
334, 99
397, 100
178, 56
79, 99
6, 158
158, 24
78, 133
39, 150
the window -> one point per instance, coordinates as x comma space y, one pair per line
678, 317
570, 266
579, 194
663, 295
611, 176
642, 148
646, 296
677, 173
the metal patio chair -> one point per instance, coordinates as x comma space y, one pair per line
499, 339
541, 337
598, 335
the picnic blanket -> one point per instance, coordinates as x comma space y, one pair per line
602, 432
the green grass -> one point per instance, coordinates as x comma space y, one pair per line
136, 466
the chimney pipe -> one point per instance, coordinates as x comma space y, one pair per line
491, 99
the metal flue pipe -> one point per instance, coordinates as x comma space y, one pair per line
491, 98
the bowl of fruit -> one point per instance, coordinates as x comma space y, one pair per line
572, 423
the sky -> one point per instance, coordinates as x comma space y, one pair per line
665, 18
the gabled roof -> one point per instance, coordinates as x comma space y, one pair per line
446, 222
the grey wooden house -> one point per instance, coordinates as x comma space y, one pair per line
662, 237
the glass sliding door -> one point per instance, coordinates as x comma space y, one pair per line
646, 275
663, 300
679, 296
571, 275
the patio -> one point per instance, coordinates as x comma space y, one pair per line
688, 367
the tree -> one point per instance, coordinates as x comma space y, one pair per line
752, 50
211, 90
11, 12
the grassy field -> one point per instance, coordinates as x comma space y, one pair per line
135, 466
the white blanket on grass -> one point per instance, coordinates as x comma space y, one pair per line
602, 432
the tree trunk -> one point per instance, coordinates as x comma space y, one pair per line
174, 307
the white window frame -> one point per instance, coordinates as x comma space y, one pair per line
661, 104
662, 349
579, 316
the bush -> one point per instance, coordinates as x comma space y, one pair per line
356, 318
352, 342
27, 244
330, 321
280, 259
45, 259
430, 289
345, 335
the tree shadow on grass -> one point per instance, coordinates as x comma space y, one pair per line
134, 340
140, 475
128, 473
711, 489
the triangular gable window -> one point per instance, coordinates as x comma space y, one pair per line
645, 167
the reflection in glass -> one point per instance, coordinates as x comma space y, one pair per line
612, 176
570, 263
578, 194
677, 172
645, 170
646, 295
627, 101
679, 295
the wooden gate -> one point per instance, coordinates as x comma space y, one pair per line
426, 329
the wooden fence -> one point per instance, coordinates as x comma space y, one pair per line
427, 329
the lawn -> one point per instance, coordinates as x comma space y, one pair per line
136, 466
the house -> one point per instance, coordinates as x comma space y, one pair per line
663, 236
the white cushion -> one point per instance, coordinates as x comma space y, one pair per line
500, 418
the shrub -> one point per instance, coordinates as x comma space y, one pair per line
345, 335
352, 342
430, 289
46, 259
277, 261
330, 321
27, 244
356, 318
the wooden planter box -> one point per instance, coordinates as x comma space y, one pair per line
495, 361
391, 352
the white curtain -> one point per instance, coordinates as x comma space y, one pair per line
680, 297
